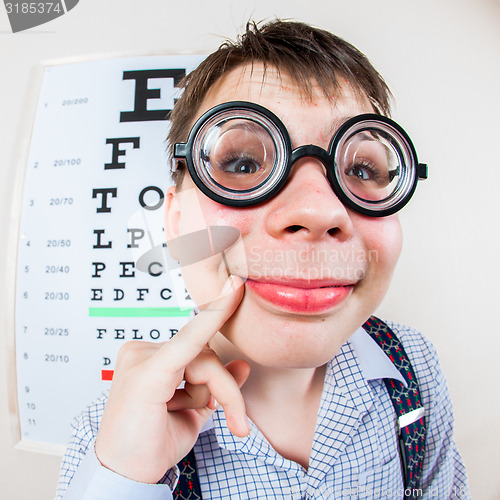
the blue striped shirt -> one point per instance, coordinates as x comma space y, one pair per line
355, 450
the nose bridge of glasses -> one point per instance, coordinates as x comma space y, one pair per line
326, 159
311, 151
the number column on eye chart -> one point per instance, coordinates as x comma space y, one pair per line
49, 300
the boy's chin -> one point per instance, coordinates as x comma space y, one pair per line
282, 342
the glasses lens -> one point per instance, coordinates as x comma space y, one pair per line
374, 165
238, 153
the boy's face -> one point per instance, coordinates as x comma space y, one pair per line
314, 270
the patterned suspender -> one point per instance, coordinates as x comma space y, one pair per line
406, 401
188, 487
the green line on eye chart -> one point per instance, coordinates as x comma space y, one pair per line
138, 312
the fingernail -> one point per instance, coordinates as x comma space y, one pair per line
228, 285
213, 404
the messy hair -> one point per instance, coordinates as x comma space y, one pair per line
309, 56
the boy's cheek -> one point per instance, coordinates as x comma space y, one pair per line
211, 234
243, 219
210, 256
204, 281
192, 212
200, 211
383, 239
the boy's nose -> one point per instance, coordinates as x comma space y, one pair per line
308, 206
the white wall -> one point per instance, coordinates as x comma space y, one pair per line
441, 58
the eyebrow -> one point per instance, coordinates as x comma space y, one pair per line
336, 124
247, 125
241, 123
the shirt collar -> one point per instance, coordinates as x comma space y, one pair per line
373, 363
372, 360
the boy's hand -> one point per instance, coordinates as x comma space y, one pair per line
148, 424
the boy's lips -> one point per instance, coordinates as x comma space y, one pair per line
301, 296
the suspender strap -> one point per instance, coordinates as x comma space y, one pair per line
407, 403
188, 486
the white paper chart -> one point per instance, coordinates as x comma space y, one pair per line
92, 273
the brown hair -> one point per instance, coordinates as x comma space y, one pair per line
308, 55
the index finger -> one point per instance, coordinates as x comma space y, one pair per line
195, 335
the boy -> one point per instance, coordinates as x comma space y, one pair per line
281, 138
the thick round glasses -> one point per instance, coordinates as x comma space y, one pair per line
240, 154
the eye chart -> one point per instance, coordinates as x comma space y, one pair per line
92, 271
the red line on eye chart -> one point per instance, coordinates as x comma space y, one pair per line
107, 374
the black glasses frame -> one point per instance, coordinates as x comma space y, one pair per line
327, 158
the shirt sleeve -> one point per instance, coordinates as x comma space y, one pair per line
444, 474
92, 481
82, 476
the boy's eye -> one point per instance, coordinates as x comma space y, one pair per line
367, 171
239, 165
359, 172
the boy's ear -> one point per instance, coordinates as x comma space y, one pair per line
172, 216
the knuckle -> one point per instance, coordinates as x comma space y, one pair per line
204, 367
207, 353
131, 353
